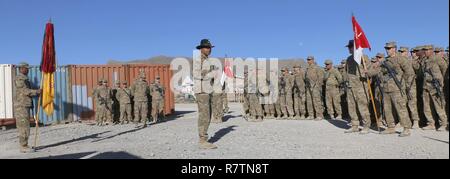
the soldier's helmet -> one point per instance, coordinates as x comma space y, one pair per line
438, 49
124, 82
296, 67
328, 62
23, 65
390, 45
446, 50
403, 49
310, 58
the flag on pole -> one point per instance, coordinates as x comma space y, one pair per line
360, 40
48, 67
227, 72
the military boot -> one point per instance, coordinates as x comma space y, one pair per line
415, 125
26, 149
364, 131
302, 117
429, 127
388, 131
442, 128
406, 132
339, 117
206, 145
318, 119
353, 129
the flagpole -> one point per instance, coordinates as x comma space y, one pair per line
371, 95
38, 112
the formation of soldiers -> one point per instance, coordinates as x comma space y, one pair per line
116, 105
392, 91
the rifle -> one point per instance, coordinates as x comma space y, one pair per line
437, 86
103, 101
393, 74
378, 84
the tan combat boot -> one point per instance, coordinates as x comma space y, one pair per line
364, 131
406, 132
442, 128
388, 131
415, 125
352, 130
26, 149
429, 127
206, 145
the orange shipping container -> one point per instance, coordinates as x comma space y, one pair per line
84, 79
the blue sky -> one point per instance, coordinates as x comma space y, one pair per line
94, 31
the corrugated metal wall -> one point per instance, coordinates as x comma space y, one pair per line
6, 93
74, 85
84, 79
164, 72
63, 99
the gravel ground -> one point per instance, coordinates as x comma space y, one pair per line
236, 138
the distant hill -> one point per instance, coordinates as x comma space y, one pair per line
167, 60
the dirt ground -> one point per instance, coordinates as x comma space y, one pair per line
236, 138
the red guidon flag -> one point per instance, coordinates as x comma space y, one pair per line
227, 72
48, 67
361, 41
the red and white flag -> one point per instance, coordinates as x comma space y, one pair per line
227, 72
361, 41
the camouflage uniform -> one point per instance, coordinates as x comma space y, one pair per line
288, 89
217, 107
281, 97
342, 92
246, 103
115, 103
433, 78
22, 106
94, 96
314, 83
104, 101
204, 98
393, 98
256, 110
157, 93
123, 95
332, 79
141, 93
299, 92
357, 95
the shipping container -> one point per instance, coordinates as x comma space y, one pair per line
84, 78
63, 96
7, 75
151, 71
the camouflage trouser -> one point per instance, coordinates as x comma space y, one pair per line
255, 107
269, 109
245, 105
314, 102
125, 112
103, 114
412, 104
289, 105
431, 99
204, 114
358, 105
225, 102
344, 104
157, 109
282, 102
333, 101
394, 100
22, 115
299, 104
217, 107
278, 105
140, 111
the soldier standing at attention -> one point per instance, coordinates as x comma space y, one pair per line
299, 93
433, 95
355, 85
22, 106
411, 90
203, 96
332, 80
94, 96
392, 72
157, 93
141, 93
314, 82
124, 96
103, 95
